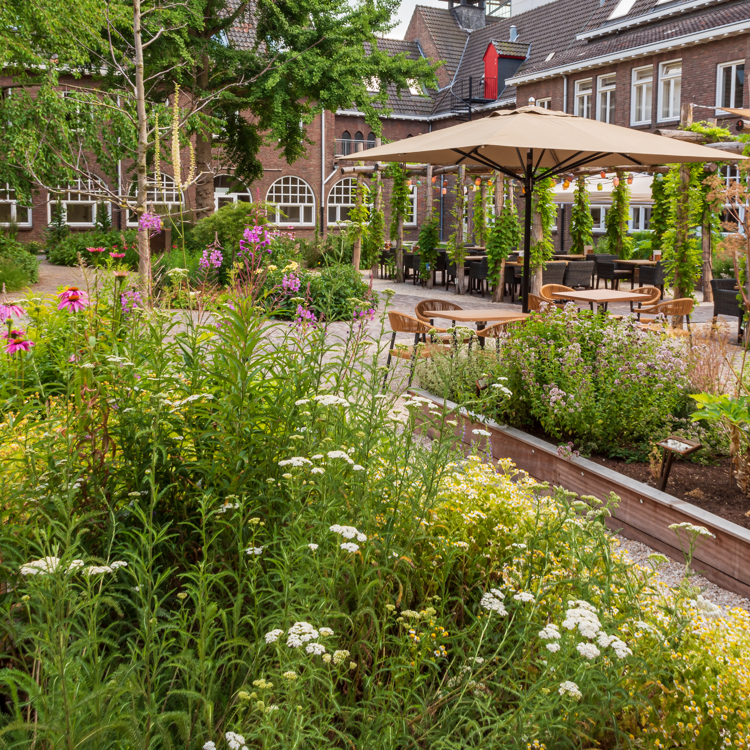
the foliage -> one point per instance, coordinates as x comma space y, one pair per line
659, 223
581, 221
504, 234
479, 214
400, 196
429, 240
714, 133
375, 239
580, 376
544, 204
57, 229
19, 267
67, 250
456, 245
643, 244
227, 224
616, 220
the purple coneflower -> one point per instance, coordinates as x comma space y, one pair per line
96, 249
73, 300
17, 342
7, 310
117, 255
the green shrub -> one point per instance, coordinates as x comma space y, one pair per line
12, 276
65, 252
34, 247
228, 223
19, 267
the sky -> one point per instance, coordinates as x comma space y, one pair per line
404, 15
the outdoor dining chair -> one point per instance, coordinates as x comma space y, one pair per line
404, 323
726, 303
434, 304
537, 304
607, 271
671, 309
651, 295
496, 330
580, 275
554, 273
548, 290
652, 276
478, 271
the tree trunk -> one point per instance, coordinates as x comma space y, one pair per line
483, 196
428, 215
377, 207
535, 283
460, 274
204, 184
497, 293
708, 274
144, 251
357, 252
682, 229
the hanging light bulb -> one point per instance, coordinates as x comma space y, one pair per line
615, 180
630, 179
408, 182
478, 181
659, 177
434, 180
599, 186
566, 184
445, 190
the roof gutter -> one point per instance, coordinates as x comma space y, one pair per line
635, 52
432, 118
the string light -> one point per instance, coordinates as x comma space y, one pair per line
599, 186
630, 179
603, 174
434, 180
478, 181
566, 184
445, 190
615, 180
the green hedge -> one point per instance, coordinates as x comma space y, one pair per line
65, 252
18, 267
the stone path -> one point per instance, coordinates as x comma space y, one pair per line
51, 278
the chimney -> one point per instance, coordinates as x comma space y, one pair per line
469, 14
513, 33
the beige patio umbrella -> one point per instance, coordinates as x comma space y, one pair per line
532, 143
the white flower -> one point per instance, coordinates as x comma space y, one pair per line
271, 708
94, 570
524, 596
254, 550
708, 608
582, 615
570, 688
318, 470
289, 675
209, 745
500, 387
339, 657
348, 532
317, 457
273, 636
589, 650
75, 565
492, 601
315, 648
40, 567
118, 564
483, 433
553, 647
313, 547
326, 632
302, 402
330, 400
356, 467
699, 530
349, 547
235, 741
295, 461
551, 632
300, 633
340, 454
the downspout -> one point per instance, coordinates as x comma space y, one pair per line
322, 173
565, 94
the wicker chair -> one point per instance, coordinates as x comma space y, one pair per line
416, 265
651, 295
478, 271
606, 271
548, 290
496, 330
404, 323
726, 303
434, 304
536, 303
386, 260
672, 309
580, 275
554, 273
652, 276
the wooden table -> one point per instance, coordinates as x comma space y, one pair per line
481, 316
561, 256
600, 297
635, 264
474, 257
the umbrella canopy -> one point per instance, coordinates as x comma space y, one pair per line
744, 113
532, 143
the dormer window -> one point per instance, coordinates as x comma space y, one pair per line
622, 9
415, 87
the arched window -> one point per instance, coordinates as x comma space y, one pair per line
371, 140
10, 211
162, 198
228, 189
80, 201
346, 143
294, 202
359, 139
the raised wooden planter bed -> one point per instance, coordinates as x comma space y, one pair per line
644, 513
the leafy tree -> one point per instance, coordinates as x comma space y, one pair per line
503, 236
616, 220
581, 221
429, 239
660, 210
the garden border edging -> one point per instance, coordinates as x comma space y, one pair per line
644, 513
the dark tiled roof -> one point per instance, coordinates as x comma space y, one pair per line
448, 37
241, 34
668, 30
511, 49
640, 8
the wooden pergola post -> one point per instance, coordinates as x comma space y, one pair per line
377, 207
400, 247
357, 252
428, 217
497, 293
461, 201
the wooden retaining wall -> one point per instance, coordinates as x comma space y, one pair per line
644, 513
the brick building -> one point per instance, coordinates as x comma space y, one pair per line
634, 63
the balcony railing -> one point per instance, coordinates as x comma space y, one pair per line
346, 146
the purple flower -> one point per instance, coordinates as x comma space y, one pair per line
150, 222
7, 310
290, 283
17, 342
73, 299
305, 318
130, 300
214, 259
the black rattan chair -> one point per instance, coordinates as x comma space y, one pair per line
652, 276
580, 274
606, 271
725, 294
554, 273
478, 271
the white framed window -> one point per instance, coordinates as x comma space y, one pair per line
294, 202
341, 199
410, 219
640, 219
622, 9
583, 94
544, 103
730, 84
228, 190
163, 198
640, 100
597, 214
10, 211
605, 98
670, 83
80, 202
415, 87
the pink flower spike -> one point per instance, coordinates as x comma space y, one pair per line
7, 310
117, 255
74, 302
17, 342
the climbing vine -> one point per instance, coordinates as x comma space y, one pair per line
400, 196
456, 246
374, 241
659, 211
543, 201
581, 222
503, 236
616, 220
429, 238
479, 213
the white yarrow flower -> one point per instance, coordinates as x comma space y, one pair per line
273, 636
317, 649
570, 688
589, 650
349, 547
313, 547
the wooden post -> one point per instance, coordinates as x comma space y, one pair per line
377, 206
461, 201
357, 252
428, 217
400, 247
682, 228
497, 292
708, 274
537, 234
483, 195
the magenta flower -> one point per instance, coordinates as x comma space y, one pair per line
96, 249
150, 222
17, 342
117, 255
73, 300
7, 310
212, 260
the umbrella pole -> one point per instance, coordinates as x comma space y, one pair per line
525, 281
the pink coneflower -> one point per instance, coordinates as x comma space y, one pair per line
73, 301
117, 255
96, 249
17, 342
65, 293
7, 310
